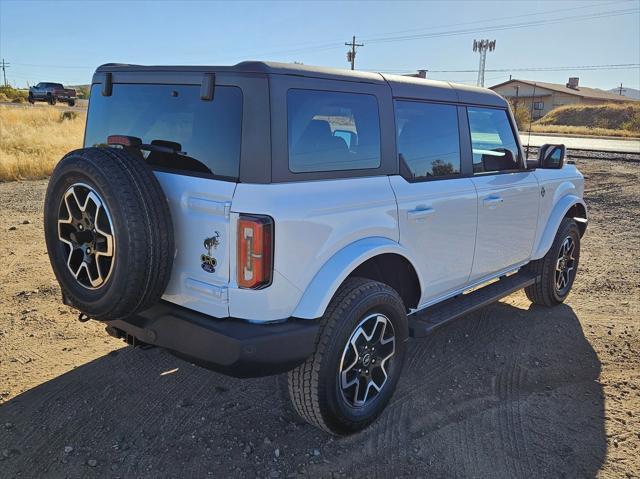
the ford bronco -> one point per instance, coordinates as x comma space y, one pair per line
263, 218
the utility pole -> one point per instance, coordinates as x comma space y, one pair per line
4, 71
620, 89
351, 54
482, 47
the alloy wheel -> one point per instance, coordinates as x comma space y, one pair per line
86, 231
565, 265
364, 366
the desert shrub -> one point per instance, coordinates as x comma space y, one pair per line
521, 114
3, 97
68, 115
13, 93
18, 99
83, 91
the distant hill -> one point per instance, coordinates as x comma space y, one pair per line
628, 92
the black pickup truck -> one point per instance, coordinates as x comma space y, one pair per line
52, 93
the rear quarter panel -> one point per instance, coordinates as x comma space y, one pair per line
313, 221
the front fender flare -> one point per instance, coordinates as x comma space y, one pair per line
326, 282
553, 223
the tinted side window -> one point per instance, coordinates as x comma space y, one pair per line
428, 138
494, 145
329, 131
205, 135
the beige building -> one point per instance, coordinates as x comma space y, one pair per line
547, 96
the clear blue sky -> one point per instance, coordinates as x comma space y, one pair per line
66, 41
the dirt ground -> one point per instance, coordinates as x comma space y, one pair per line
511, 391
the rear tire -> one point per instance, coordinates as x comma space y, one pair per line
109, 232
556, 271
71, 103
332, 389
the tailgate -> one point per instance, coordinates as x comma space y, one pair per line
200, 212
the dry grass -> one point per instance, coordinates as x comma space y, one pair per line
581, 130
615, 119
32, 140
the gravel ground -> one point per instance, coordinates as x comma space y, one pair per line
511, 391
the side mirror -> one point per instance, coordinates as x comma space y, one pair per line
551, 156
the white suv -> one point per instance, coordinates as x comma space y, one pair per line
264, 218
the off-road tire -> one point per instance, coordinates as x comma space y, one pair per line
30, 99
544, 290
143, 231
313, 386
71, 103
51, 100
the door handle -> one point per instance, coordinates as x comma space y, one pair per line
420, 213
492, 202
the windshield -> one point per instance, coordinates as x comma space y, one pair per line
205, 135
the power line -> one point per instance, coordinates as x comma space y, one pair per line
493, 19
508, 26
617, 66
335, 44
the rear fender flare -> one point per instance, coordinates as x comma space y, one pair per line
326, 282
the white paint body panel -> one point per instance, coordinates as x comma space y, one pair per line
199, 208
507, 220
437, 222
313, 221
325, 229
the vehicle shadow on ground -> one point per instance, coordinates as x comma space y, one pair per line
505, 392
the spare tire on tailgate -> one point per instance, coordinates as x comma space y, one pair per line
109, 232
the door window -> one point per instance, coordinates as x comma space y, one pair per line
494, 145
329, 131
428, 139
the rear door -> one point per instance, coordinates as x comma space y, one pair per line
508, 194
437, 203
197, 169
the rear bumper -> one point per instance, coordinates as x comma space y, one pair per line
230, 346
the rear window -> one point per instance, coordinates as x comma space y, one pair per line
206, 135
329, 131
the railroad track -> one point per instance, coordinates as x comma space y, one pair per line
576, 154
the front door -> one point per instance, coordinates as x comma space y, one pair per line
508, 195
437, 205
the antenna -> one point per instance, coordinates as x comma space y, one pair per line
533, 100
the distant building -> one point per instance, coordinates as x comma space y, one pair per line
552, 95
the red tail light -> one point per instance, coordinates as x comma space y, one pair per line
255, 251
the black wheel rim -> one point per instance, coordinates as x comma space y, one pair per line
366, 360
565, 265
86, 232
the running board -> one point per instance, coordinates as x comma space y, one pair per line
425, 321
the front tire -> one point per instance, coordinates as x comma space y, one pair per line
556, 271
351, 376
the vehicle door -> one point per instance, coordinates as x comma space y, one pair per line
508, 194
437, 202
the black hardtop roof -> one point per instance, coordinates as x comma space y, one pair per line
401, 86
